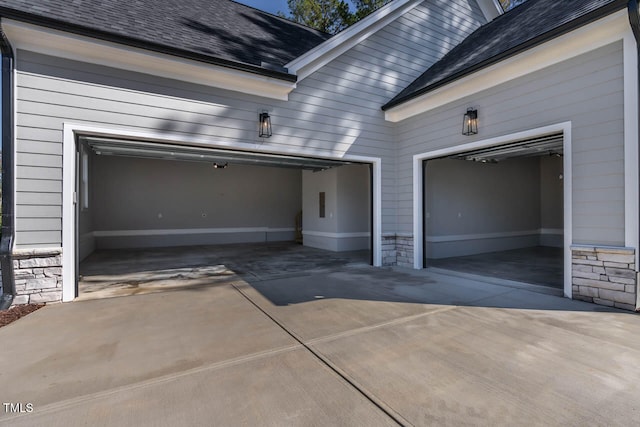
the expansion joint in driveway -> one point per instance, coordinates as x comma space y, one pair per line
397, 418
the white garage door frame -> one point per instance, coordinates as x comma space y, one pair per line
69, 229
418, 185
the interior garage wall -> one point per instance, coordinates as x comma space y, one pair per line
347, 218
148, 202
354, 199
551, 202
474, 207
86, 239
587, 91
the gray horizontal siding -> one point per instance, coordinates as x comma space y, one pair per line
40, 224
36, 172
586, 90
39, 186
40, 238
335, 111
41, 199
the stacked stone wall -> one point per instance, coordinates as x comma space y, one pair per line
397, 250
605, 276
38, 276
389, 255
404, 248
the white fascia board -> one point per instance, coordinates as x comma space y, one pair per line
311, 61
86, 49
590, 37
491, 9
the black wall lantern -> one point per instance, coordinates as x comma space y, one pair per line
265, 125
470, 124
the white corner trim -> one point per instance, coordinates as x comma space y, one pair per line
418, 184
68, 215
14, 102
85, 49
187, 231
605, 31
336, 235
71, 129
631, 213
311, 61
567, 172
491, 9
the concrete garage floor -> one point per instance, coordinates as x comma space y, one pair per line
345, 345
538, 265
112, 273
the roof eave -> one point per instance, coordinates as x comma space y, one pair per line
605, 31
141, 44
74, 47
530, 44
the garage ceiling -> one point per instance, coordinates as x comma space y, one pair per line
549, 145
155, 150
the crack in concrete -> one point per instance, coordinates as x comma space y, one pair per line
363, 329
379, 403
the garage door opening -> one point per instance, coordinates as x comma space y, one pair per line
154, 216
498, 212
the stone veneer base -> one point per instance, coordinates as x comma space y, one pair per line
600, 275
397, 250
38, 276
605, 276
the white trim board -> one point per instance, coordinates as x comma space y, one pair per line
631, 156
631, 187
605, 31
336, 235
85, 49
499, 235
316, 58
185, 231
418, 184
69, 231
491, 9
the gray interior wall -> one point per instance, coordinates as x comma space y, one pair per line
354, 207
347, 221
313, 183
86, 240
335, 111
586, 90
133, 195
474, 207
551, 201
354, 199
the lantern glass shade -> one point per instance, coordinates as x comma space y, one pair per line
470, 123
265, 125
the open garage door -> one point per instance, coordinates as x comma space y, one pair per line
498, 211
146, 199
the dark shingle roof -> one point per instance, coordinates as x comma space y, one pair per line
523, 27
218, 31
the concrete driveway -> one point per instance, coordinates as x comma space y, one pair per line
352, 345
